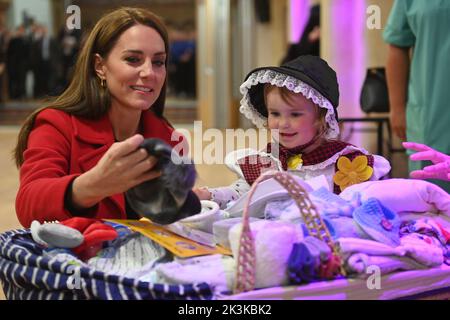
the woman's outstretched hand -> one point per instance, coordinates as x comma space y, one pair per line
202, 193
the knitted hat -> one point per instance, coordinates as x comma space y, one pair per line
309, 75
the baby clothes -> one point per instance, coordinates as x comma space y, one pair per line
306, 260
380, 223
216, 270
134, 256
422, 249
427, 227
403, 195
360, 264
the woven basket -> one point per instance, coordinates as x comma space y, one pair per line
246, 261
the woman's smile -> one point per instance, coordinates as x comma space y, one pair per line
142, 89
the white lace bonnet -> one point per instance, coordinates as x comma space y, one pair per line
309, 75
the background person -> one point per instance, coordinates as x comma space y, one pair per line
418, 74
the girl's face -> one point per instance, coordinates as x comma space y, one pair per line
295, 119
135, 68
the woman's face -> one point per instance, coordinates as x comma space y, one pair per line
295, 119
135, 68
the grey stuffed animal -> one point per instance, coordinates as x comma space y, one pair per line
168, 198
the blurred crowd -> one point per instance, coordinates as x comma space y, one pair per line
29, 51
182, 66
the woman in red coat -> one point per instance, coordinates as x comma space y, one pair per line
79, 154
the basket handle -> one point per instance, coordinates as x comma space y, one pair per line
246, 262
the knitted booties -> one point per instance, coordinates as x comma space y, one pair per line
168, 198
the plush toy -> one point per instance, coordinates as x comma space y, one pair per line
168, 198
84, 236
95, 233
55, 235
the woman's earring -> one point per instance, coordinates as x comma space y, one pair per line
103, 83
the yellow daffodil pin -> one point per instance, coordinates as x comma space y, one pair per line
352, 172
294, 161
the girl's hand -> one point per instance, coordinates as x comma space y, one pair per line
202, 193
122, 167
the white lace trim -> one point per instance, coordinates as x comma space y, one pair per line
292, 84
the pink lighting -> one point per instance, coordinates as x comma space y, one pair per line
348, 58
299, 14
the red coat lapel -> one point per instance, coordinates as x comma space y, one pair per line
97, 136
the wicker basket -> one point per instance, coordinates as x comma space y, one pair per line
246, 260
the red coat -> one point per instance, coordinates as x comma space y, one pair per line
60, 148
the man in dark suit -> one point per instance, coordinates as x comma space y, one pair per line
16, 63
44, 61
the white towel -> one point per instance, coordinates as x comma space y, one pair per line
273, 245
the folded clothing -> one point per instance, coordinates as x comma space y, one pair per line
416, 246
133, 256
307, 260
345, 227
370, 247
379, 222
216, 270
301, 264
327, 204
330, 204
423, 249
282, 209
403, 195
362, 264
328, 223
428, 227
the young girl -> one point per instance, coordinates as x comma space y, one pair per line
298, 103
